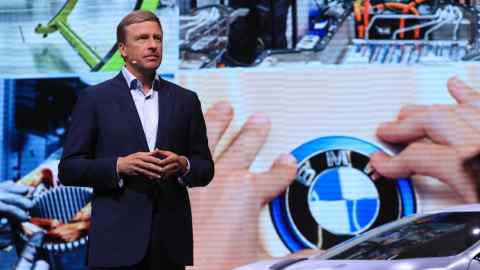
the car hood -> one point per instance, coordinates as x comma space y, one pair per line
406, 264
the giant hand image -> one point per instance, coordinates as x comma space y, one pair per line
225, 213
13, 203
443, 141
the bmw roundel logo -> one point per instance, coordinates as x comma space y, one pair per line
334, 196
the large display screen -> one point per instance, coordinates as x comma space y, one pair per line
294, 95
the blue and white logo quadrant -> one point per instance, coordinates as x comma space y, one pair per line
343, 201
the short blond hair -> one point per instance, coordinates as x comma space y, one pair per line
137, 16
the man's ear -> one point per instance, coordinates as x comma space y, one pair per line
121, 48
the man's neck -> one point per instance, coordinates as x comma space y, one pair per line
145, 77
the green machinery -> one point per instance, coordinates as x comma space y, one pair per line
112, 61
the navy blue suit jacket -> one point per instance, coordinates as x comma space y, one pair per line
104, 126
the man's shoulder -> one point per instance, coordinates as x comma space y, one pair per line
103, 89
105, 86
179, 90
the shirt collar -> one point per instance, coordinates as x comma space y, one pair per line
132, 82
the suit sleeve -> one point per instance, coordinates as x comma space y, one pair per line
201, 163
78, 165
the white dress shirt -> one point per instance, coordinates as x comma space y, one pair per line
146, 104
147, 109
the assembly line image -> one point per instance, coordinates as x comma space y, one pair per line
276, 33
60, 215
68, 36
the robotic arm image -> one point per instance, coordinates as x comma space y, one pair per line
338, 32
112, 61
414, 31
204, 34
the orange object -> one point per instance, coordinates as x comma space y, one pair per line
357, 11
84, 214
405, 9
46, 223
409, 8
366, 9
361, 31
68, 232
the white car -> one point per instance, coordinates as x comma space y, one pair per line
442, 240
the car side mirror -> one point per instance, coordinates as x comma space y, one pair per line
475, 263
477, 258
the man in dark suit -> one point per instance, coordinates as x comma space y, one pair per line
139, 142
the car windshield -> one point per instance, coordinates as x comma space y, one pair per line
435, 235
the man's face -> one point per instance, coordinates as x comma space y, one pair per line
142, 49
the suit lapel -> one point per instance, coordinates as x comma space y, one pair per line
166, 103
128, 114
